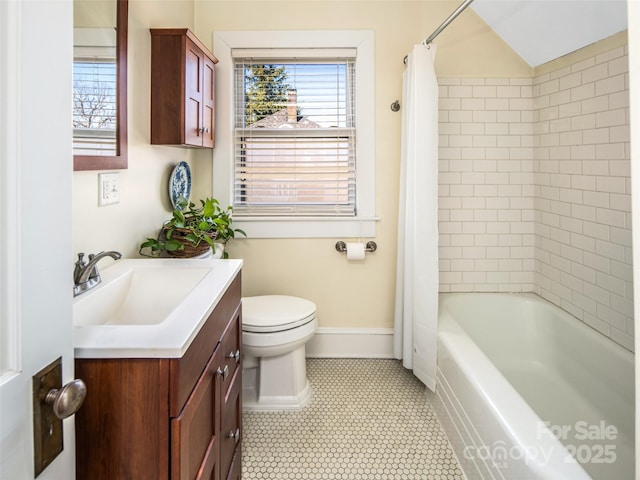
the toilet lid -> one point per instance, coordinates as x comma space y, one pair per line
274, 313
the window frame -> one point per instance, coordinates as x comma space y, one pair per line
363, 224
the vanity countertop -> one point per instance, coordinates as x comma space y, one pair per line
169, 338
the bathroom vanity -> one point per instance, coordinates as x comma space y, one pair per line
171, 408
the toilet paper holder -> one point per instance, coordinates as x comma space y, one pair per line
370, 246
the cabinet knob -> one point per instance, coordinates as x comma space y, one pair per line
234, 435
235, 356
224, 373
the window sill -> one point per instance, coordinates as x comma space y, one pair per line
300, 227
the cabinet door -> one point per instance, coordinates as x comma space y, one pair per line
231, 431
231, 401
193, 94
194, 441
208, 103
236, 467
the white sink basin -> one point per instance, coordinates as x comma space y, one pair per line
149, 307
142, 295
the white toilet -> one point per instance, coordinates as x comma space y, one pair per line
275, 329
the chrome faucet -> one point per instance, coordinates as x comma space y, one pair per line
85, 274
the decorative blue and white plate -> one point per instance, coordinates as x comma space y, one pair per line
180, 183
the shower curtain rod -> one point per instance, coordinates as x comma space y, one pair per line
446, 23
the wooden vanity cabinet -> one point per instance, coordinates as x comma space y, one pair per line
167, 418
182, 89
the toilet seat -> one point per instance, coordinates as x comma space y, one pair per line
275, 313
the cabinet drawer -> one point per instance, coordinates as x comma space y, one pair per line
193, 438
231, 422
231, 347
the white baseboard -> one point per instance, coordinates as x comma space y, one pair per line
351, 343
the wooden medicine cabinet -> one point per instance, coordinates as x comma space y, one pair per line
182, 89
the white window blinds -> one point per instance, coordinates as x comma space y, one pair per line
294, 137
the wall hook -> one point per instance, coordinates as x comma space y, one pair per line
395, 106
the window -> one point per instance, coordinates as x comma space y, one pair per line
297, 159
294, 135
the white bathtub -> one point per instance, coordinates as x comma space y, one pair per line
526, 391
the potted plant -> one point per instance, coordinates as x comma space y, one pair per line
223, 220
191, 230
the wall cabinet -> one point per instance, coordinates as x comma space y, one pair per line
167, 418
182, 89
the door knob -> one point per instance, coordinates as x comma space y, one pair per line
68, 399
51, 403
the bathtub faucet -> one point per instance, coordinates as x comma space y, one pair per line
86, 275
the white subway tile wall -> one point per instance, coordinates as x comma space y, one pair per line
535, 189
486, 182
582, 192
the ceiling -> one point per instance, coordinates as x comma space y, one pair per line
543, 30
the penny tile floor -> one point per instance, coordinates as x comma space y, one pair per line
368, 419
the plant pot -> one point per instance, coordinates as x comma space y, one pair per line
219, 250
206, 255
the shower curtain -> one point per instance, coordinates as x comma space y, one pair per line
416, 309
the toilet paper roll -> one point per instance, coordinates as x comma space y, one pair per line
355, 251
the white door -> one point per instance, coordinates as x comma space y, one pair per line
35, 222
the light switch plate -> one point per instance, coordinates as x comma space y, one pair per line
108, 188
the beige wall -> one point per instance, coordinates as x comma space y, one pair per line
94, 13
347, 294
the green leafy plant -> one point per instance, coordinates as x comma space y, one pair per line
192, 230
223, 220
